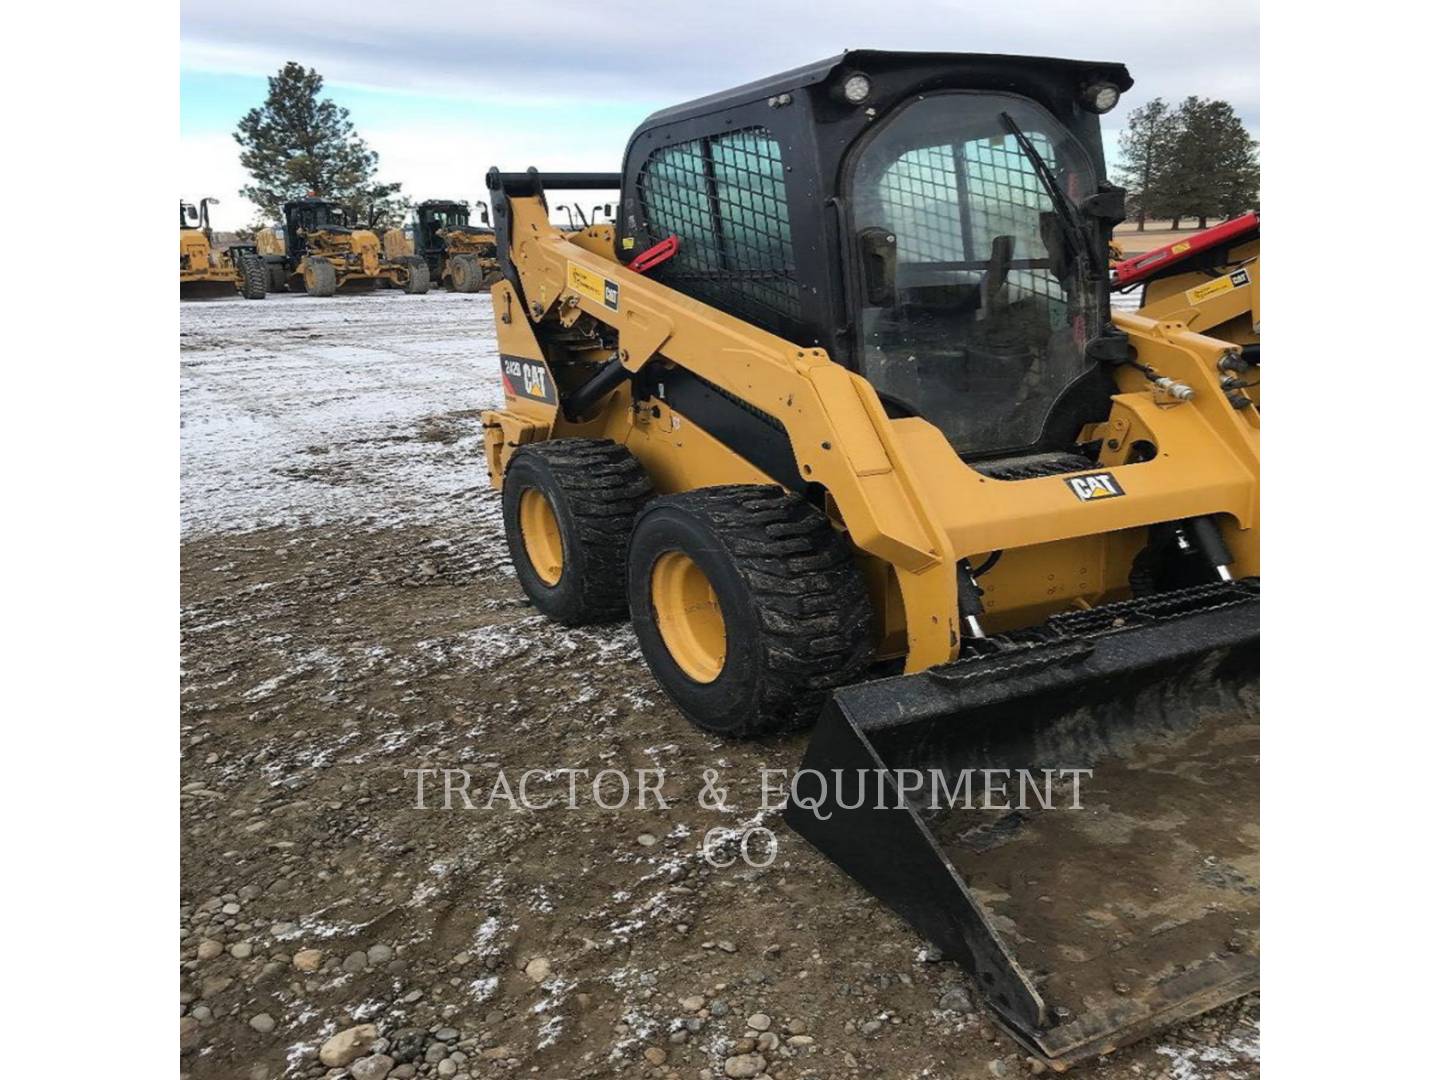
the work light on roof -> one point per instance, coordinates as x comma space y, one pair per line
856, 87
1101, 97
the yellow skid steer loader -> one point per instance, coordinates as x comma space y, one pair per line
837, 411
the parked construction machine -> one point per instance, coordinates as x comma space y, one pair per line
205, 272
459, 255
838, 411
1210, 282
320, 251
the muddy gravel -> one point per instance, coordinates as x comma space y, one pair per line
352, 638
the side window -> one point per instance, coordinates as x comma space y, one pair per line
724, 197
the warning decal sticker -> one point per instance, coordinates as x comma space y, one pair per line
1233, 280
588, 283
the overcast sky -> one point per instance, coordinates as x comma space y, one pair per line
444, 90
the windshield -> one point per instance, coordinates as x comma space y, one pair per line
974, 309
320, 216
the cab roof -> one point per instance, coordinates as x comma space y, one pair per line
872, 60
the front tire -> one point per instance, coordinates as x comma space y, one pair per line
418, 283
794, 615
465, 274
319, 276
569, 506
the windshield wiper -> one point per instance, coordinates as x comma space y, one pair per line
1066, 211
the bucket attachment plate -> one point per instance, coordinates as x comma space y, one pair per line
1086, 927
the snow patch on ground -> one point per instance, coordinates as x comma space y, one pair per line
363, 428
1240, 1047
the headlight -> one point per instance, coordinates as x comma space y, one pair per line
853, 89
1100, 97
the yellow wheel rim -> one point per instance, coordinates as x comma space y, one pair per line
688, 615
541, 533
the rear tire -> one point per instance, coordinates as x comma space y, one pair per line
569, 506
254, 278
275, 269
418, 283
796, 614
319, 276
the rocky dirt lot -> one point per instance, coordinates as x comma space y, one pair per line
349, 617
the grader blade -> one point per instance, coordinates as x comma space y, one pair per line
1086, 926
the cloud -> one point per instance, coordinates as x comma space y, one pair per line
626, 50
562, 84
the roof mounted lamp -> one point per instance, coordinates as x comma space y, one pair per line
1100, 97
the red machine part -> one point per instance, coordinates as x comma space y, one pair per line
654, 255
1139, 267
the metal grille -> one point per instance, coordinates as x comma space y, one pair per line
948, 203
724, 197
1006, 198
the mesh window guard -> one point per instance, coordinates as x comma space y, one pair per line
947, 203
724, 197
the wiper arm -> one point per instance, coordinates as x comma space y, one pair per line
1066, 210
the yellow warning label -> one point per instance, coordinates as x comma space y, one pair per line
627, 242
1218, 287
1180, 248
588, 283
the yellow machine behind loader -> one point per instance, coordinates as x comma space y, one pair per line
839, 413
208, 273
460, 256
1210, 282
324, 252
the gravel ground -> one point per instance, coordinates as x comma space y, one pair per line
349, 617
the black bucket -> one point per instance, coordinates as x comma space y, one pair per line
1086, 926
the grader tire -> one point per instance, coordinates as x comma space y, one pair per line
568, 506
319, 277
465, 276
418, 283
254, 278
748, 606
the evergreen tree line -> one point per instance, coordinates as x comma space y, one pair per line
1195, 160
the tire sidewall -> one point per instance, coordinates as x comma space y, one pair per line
564, 601
726, 705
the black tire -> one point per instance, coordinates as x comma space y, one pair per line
418, 283
796, 612
594, 488
254, 278
277, 275
465, 275
320, 281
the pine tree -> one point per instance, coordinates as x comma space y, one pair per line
1209, 168
298, 143
1240, 170
1147, 139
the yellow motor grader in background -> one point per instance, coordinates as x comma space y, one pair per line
838, 412
459, 255
319, 250
208, 273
